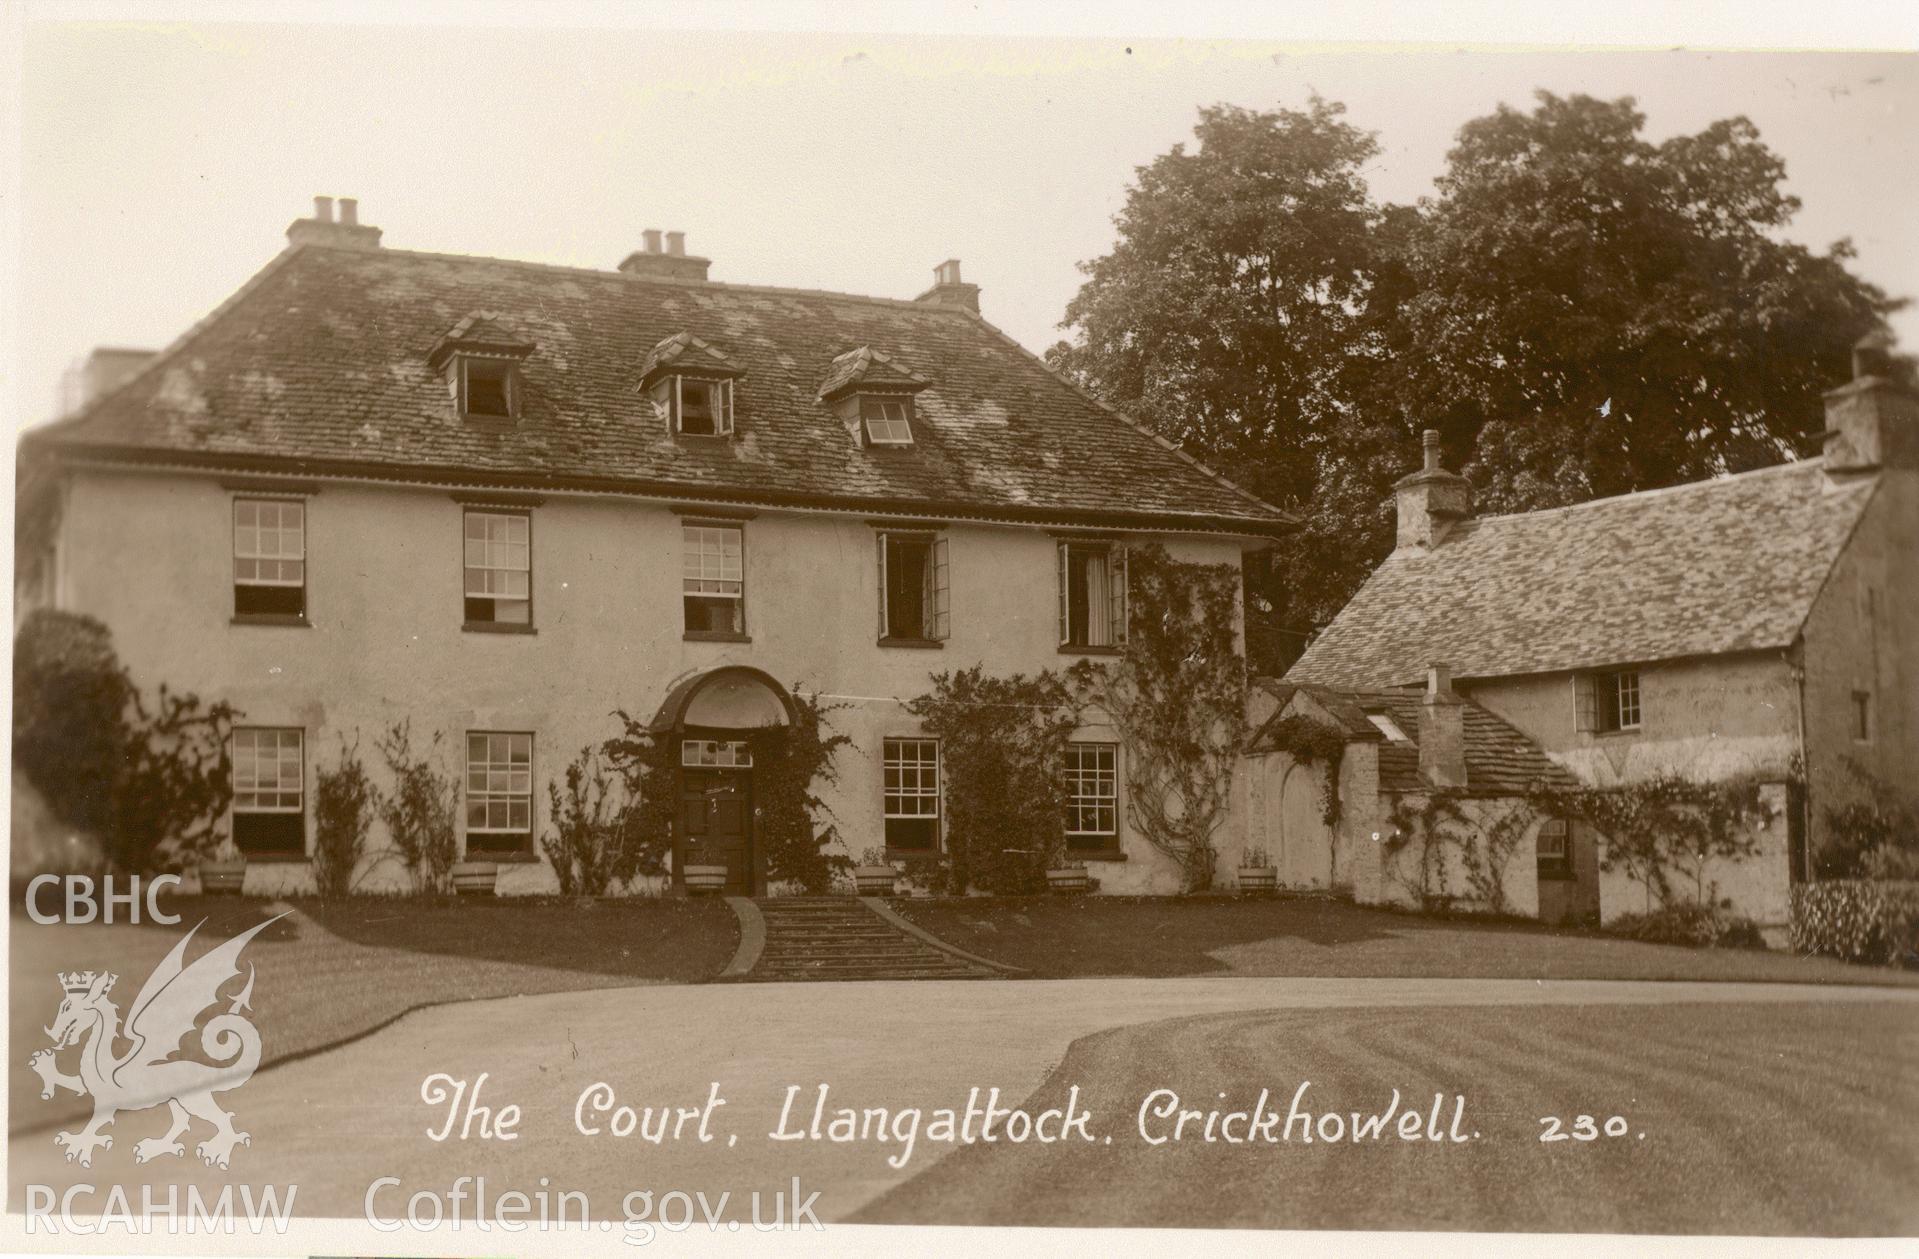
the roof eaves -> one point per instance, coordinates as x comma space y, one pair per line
1278, 513
170, 351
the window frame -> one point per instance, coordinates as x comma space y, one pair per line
495, 626
671, 391
936, 593
903, 435
738, 753
262, 617
270, 847
1556, 865
509, 369
1118, 596
1603, 698
1105, 841
888, 764
740, 634
523, 844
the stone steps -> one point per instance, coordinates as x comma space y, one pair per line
840, 938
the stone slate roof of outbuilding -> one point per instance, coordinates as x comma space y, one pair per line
320, 363
1500, 760
1701, 569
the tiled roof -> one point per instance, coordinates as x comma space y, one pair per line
1702, 569
1500, 760
868, 367
320, 363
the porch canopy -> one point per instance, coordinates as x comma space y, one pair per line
732, 697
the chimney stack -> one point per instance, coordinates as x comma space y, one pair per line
321, 229
1430, 499
949, 290
1442, 731
671, 263
1873, 421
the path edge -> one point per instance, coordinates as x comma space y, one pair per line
924, 936
752, 937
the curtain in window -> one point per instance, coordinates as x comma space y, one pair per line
1099, 595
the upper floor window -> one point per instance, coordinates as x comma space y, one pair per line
488, 386
912, 794
499, 791
1092, 796
1092, 595
499, 568
269, 790
914, 595
697, 407
713, 579
1554, 847
1606, 703
888, 420
269, 558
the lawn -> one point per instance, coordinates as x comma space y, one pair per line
333, 971
1083, 937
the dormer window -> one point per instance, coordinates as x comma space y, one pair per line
873, 396
888, 421
690, 384
695, 406
487, 387
481, 357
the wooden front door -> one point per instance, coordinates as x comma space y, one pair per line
716, 822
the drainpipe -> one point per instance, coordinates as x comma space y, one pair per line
1798, 674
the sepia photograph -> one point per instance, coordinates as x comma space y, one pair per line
724, 625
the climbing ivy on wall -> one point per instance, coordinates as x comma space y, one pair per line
791, 826
1177, 697
1310, 741
1438, 831
1662, 832
1003, 750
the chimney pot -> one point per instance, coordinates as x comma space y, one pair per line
321, 229
1871, 356
350, 211
652, 238
949, 290
676, 244
1430, 499
1439, 680
323, 209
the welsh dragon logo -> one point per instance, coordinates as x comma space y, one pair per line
150, 1072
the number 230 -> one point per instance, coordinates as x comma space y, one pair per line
1584, 1128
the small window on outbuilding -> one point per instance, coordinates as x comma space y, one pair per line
1554, 846
1862, 716
1388, 727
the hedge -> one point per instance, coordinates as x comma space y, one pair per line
1857, 920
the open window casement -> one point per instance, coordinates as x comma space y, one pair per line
914, 587
1092, 595
694, 406
1585, 704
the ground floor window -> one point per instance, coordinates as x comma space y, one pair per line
1555, 850
1092, 796
269, 790
499, 791
912, 793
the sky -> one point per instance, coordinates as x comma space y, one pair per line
159, 162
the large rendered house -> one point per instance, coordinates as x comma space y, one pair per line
502, 500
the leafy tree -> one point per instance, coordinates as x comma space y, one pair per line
152, 780
345, 802
1579, 310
